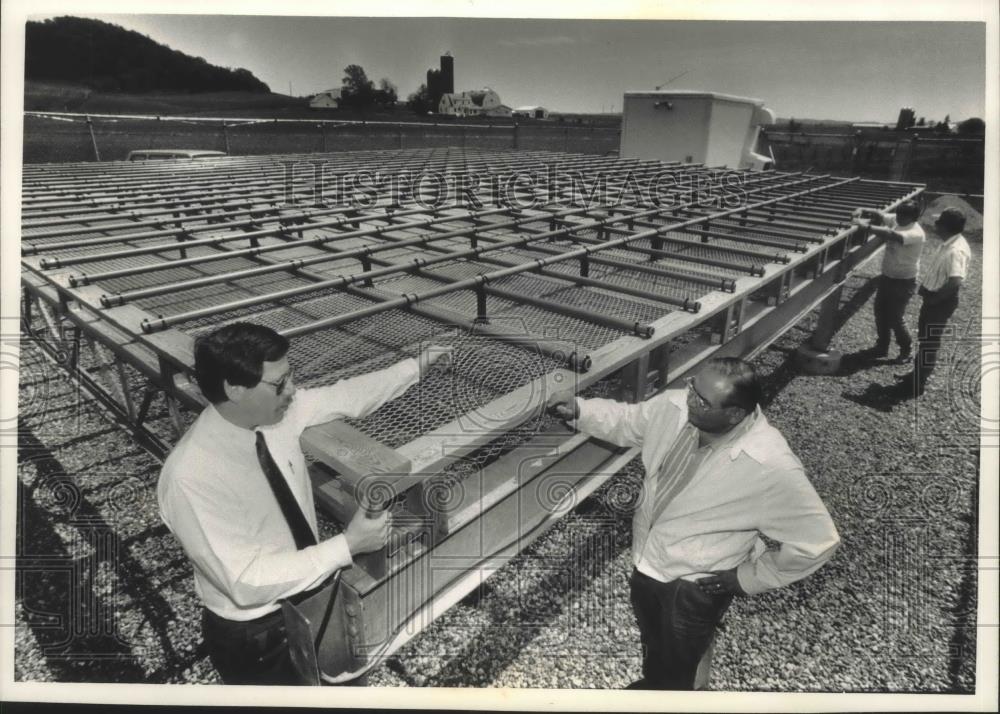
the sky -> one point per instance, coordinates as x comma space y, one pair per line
860, 71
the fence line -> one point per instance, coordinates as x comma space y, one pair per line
257, 120
61, 137
943, 163
870, 135
946, 163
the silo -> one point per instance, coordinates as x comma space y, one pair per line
447, 73
434, 86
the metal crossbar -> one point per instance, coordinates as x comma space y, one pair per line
422, 263
610, 277
564, 254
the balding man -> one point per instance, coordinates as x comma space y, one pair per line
717, 476
904, 240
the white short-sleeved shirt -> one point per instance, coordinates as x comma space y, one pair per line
951, 260
902, 260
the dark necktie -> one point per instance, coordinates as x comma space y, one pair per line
301, 530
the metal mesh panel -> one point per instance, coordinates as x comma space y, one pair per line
133, 261
734, 227
486, 368
371, 343
167, 275
221, 293
468, 466
713, 250
656, 284
289, 312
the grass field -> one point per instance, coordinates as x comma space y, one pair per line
55, 96
60, 140
62, 97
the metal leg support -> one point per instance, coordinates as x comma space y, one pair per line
635, 379
816, 357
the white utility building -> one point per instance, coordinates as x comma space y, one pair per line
694, 127
532, 112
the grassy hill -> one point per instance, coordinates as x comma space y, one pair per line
106, 57
72, 97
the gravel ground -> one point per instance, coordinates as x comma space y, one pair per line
104, 593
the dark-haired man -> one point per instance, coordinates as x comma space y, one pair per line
947, 267
236, 493
717, 476
904, 240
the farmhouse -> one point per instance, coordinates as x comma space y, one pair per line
327, 99
479, 102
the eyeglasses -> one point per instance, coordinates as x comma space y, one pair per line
280, 385
698, 402
694, 398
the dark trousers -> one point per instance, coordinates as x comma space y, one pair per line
677, 624
891, 298
933, 320
253, 652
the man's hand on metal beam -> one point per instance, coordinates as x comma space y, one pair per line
367, 533
563, 405
867, 217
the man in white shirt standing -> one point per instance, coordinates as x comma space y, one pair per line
946, 269
236, 493
904, 240
717, 476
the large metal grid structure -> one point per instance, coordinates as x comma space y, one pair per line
544, 270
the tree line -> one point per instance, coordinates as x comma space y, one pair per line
973, 126
109, 58
359, 92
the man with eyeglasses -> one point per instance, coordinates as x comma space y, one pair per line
717, 477
236, 493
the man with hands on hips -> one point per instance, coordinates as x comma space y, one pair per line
718, 475
236, 492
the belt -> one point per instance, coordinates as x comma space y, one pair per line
925, 291
271, 617
262, 634
258, 623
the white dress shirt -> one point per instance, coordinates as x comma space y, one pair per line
216, 500
902, 260
746, 482
950, 260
